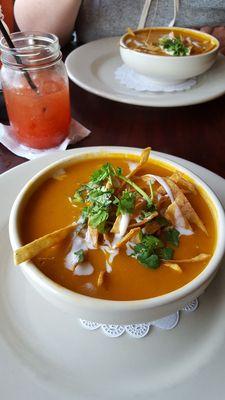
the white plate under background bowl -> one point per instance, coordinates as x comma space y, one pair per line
108, 311
46, 355
92, 67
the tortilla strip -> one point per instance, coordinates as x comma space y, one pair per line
130, 31
140, 204
141, 181
101, 278
189, 212
116, 225
162, 194
93, 232
109, 185
161, 191
183, 183
152, 227
200, 257
136, 239
173, 266
106, 236
175, 216
185, 206
145, 220
32, 249
127, 237
143, 159
163, 202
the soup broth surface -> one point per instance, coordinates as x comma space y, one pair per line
172, 42
49, 209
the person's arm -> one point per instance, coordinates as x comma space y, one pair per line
55, 16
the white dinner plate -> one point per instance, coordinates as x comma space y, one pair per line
46, 355
92, 67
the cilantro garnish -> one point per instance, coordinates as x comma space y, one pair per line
145, 214
171, 235
162, 221
98, 217
78, 196
150, 261
79, 255
173, 46
84, 215
105, 172
152, 242
151, 251
97, 198
101, 196
138, 189
166, 253
99, 209
126, 203
146, 251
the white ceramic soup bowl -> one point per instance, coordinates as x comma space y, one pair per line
169, 69
107, 311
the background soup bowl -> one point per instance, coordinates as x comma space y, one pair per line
107, 311
169, 69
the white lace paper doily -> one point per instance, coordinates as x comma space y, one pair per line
77, 133
142, 83
139, 331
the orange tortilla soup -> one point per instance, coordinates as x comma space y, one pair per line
142, 229
169, 42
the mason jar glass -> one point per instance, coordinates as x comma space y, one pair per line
36, 90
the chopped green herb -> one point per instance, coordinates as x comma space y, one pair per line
101, 196
84, 215
119, 171
105, 172
151, 261
140, 235
98, 218
79, 255
151, 251
137, 188
162, 221
166, 253
171, 235
78, 196
146, 214
81, 193
152, 242
150, 207
146, 251
126, 203
98, 200
101, 199
173, 46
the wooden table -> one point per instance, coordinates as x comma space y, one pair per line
196, 133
